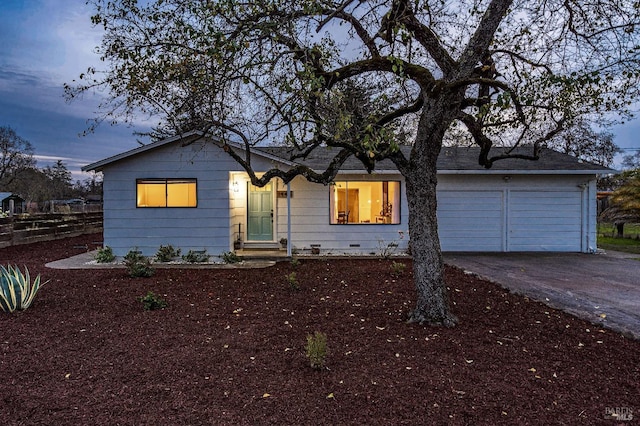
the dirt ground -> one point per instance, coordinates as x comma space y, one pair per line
230, 349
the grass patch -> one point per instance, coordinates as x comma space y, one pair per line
629, 244
609, 230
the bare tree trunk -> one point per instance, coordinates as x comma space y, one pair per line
432, 305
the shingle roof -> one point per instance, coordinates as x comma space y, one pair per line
458, 159
452, 160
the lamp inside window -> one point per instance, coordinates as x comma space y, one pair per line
365, 202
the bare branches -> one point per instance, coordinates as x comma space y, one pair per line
480, 42
424, 35
419, 74
509, 71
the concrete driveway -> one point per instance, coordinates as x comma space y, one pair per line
603, 288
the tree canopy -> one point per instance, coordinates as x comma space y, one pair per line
581, 141
16, 156
631, 161
516, 72
502, 72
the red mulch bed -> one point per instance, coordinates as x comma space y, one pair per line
229, 349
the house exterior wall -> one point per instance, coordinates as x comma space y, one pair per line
310, 221
476, 212
517, 213
206, 227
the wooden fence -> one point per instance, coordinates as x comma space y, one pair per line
25, 229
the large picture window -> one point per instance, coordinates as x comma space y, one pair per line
166, 193
365, 202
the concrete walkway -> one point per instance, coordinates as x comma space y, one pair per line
602, 288
87, 261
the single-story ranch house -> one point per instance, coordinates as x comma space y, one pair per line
188, 193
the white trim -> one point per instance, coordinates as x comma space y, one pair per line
506, 195
100, 164
524, 172
288, 218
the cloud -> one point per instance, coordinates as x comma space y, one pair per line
44, 44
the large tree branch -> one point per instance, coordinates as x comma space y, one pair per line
485, 144
425, 36
287, 176
400, 112
354, 22
419, 74
479, 44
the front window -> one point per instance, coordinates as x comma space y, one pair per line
166, 193
365, 202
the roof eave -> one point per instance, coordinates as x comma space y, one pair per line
99, 165
526, 172
490, 172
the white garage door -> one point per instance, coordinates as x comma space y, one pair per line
510, 220
544, 221
470, 220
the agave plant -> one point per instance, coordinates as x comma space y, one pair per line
16, 289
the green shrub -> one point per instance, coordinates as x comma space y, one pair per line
138, 265
196, 256
316, 350
293, 281
295, 262
105, 255
152, 301
231, 257
16, 289
167, 253
397, 268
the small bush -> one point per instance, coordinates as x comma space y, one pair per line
138, 265
105, 255
316, 350
167, 253
196, 256
231, 257
295, 262
293, 281
397, 268
16, 289
152, 301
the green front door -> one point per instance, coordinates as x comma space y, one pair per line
260, 213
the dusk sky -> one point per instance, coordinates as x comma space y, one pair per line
46, 43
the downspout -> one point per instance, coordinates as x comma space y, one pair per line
585, 225
288, 219
592, 246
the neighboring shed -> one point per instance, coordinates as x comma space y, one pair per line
189, 193
12, 203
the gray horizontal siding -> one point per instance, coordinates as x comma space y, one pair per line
310, 222
475, 213
205, 227
470, 220
545, 220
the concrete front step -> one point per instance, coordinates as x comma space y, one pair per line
261, 245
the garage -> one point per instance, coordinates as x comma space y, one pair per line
544, 221
511, 220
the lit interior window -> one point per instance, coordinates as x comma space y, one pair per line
166, 193
365, 202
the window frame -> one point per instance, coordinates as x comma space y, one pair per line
333, 207
166, 182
